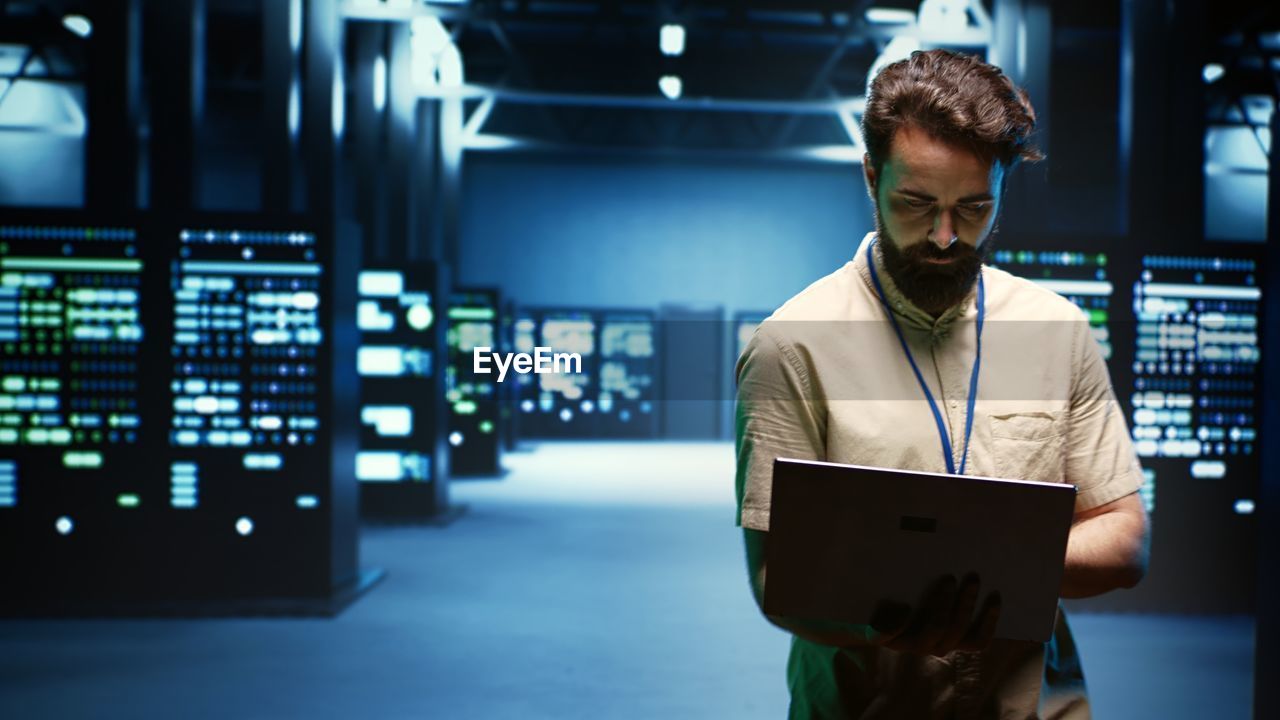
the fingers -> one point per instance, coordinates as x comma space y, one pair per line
961, 618
984, 629
935, 616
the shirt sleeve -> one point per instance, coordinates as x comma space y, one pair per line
776, 415
1101, 461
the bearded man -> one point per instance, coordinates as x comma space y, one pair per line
878, 364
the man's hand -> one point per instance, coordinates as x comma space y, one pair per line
943, 620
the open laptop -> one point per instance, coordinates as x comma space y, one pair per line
844, 537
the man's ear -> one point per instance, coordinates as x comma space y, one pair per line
869, 174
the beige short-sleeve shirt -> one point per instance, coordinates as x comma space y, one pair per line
825, 378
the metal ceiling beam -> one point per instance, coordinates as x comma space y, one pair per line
823, 74
836, 154
755, 22
520, 69
855, 104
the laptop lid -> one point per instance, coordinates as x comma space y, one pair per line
844, 537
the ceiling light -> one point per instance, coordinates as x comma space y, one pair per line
671, 40
671, 86
379, 83
78, 24
890, 16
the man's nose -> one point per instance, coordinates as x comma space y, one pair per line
944, 230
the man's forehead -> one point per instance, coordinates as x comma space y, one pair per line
920, 162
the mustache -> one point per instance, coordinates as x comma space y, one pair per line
927, 250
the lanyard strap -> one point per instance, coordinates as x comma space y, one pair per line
973, 378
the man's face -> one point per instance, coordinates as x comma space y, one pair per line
936, 205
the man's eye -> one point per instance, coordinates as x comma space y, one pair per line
919, 204
973, 209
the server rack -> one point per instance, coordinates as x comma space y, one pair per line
474, 401
172, 441
403, 318
627, 387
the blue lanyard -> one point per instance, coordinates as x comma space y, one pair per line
973, 379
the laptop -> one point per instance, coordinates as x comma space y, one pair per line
844, 537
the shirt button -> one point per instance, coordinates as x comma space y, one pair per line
955, 403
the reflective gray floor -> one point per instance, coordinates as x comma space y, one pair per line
594, 581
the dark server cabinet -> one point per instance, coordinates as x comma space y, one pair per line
628, 374
1180, 335
508, 392
561, 403
170, 436
403, 319
692, 339
474, 401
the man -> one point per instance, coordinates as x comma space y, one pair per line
878, 364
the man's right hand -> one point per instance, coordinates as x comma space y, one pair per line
941, 622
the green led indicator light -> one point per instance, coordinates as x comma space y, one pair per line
465, 407
128, 500
486, 426
471, 313
82, 460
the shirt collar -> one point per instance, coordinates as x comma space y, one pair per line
908, 313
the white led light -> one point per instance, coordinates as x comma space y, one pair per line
295, 108
244, 526
78, 24
671, 86
1208, 469
455, 438
379, 466
890, 16
380, 361
64, 526
388, 420
380, 283
338, 105
1213, 72
1245, 506
379, 84
370, 317
420, 316
671, 40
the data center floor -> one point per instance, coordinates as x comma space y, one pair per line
595, 580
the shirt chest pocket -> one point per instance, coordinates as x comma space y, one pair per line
1028, 446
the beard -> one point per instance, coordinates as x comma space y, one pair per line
932, 288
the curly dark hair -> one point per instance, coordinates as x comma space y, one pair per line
953, 97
